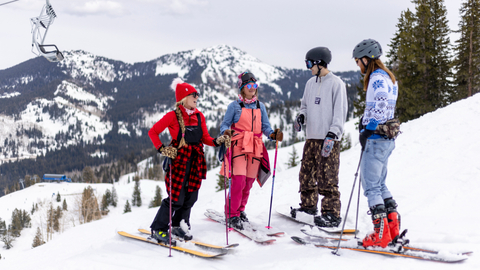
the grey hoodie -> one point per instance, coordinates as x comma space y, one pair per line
324, 105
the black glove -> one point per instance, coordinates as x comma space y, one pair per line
299, 122
364, 135
160, 149
300, 119
331, 135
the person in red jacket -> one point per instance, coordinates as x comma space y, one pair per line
189, 132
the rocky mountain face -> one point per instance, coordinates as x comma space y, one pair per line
90, 110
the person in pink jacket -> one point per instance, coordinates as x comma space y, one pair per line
245, 120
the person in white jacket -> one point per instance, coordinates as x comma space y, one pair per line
323, 111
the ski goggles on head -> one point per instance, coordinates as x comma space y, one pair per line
195, 94
250, 85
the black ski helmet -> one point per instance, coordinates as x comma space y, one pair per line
318, 54
367, 48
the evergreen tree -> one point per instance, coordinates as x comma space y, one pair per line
108, 197
136, 197
17, 225
3, 227
38, 239
50, 221
88, 175
56, 219
59, 198
420, 59
467, 51
114, 200
104, 205
404, 65
64, 206
292, 161
127, 208
7, 238
221, 183
157, 200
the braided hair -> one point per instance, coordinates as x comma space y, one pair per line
178, 112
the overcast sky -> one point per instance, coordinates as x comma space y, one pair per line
278, 32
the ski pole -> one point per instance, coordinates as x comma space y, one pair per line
170, 224
273, 183
230, 183
225, 188
358, 203
349, 201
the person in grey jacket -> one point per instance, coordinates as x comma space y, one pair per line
323, 110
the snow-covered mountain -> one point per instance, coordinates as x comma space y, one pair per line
91, 104
433, 175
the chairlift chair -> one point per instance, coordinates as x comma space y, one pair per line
42, 24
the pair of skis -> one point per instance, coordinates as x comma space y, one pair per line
249, 230
222, 250
405, 251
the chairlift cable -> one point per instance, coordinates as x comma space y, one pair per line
8, 2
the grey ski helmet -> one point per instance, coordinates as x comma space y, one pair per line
367, 48
318, 54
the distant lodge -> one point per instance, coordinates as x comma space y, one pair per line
56, 178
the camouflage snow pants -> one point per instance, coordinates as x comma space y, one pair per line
319, 175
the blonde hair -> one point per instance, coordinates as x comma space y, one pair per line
178, 112
374, 65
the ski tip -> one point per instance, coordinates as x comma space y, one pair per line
299, 240
266, 242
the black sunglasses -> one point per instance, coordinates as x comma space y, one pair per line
195, 94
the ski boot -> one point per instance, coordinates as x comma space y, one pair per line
163, 237
243, 216
393, 218
310, 211
327, 220
235, 222
381, 235
179, 232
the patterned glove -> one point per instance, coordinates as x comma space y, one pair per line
328, 144
228, 132
299, 122
277, 135
224, 139
169, 151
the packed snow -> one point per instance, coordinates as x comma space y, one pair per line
433, 174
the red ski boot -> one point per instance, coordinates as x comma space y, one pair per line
381, 237
393, 218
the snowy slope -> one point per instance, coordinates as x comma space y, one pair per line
433, 173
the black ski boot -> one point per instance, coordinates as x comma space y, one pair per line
310, 211
243, 216
179, 232
327, 220
163, 237
235, 222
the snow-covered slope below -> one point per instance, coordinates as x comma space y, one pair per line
433, 174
